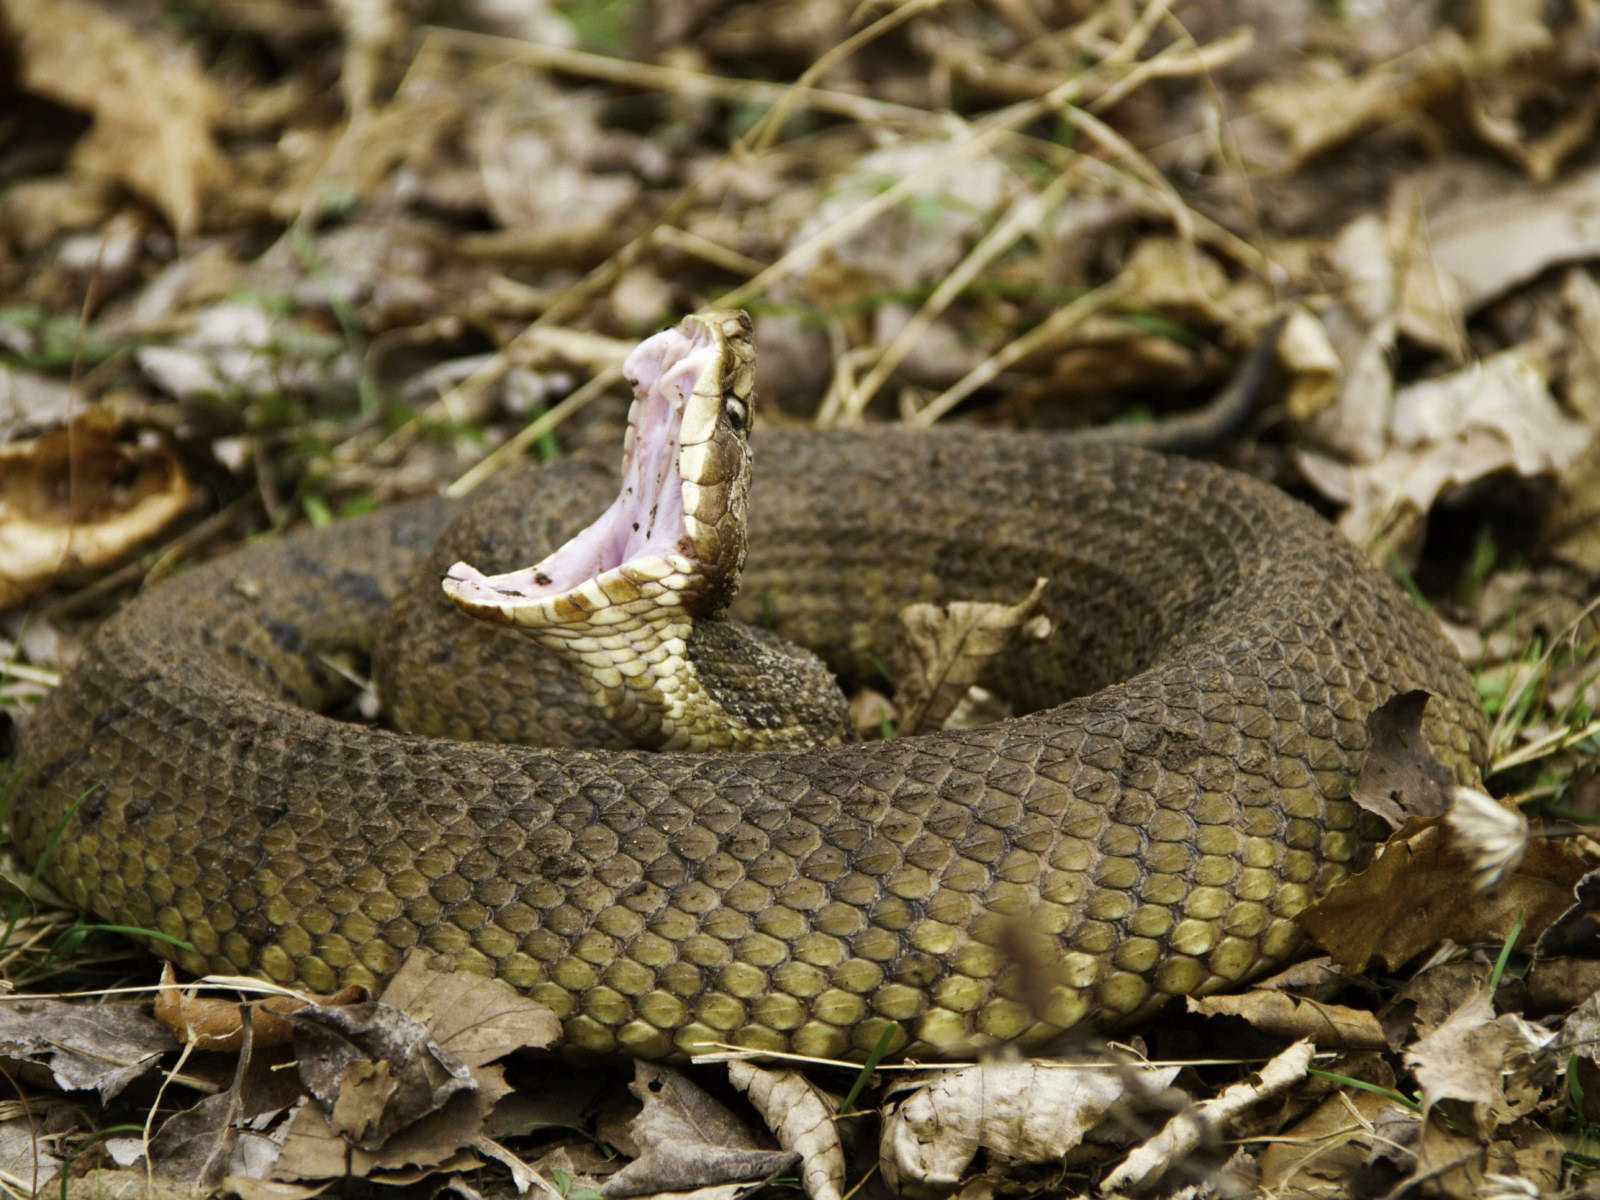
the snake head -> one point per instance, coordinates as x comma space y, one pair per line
675, 535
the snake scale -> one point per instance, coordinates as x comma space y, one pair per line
1175, 795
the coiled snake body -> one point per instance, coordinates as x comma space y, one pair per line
1069, 869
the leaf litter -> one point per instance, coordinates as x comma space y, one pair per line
242, 296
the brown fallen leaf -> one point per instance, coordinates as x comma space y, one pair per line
1283, 1015
1025, 1111
401, 1086
1462, 1065
1576, 929
801, 1117
1325, 1153
85, 1047
154, 110
212, 1023
944, 649
78, 497
688, 1140
1409, 900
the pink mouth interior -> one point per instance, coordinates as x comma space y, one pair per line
646, 518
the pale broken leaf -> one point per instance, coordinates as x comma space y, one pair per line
1493, 416
944, 649
1482, 213
688, 1140
1025, 1111
1401, 779
1360, 330
99, 1047
1311, 366
79, 498
1205, 1121
1283, 1015
801, 1117
212, 1023
153, 108
25, 1164
1463, 1063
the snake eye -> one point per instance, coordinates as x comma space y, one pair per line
738, 411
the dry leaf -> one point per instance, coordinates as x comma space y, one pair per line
1409, 900
943, 650
153, 108
953, 197
1283, 1015
1024, 1111
212, 1023
688, 1140
1204, 1121
1484, 213
1311, 366
475, 1019
1464, 1061
1493, 416
1576, 929
78, 497
99, 1047
1360, 329
1304, 112
24, 1162
1401, 779
374, 1069
32, 402
801, 1117
413, 1086
1322, 1155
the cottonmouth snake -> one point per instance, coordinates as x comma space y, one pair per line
1065, 870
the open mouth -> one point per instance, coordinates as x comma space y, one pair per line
642, 536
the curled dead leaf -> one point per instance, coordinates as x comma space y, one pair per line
79, 497
801, 1117
212, 1023
688, 1140
1024, 1111
1278, 1013
1201, 1121
406, 1079
944, 649
1466, 1061
1409, 899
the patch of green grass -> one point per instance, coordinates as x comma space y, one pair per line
54, 342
